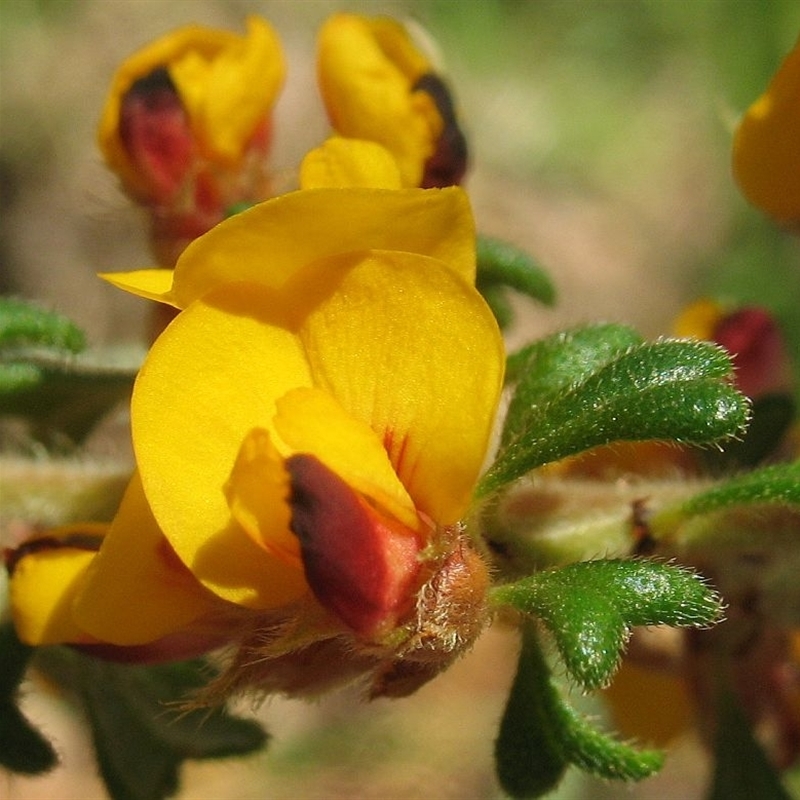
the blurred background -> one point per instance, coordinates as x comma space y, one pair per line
600, 137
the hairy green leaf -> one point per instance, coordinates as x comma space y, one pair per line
552, 365
528, 757
58, 394
601, 755
666, 390
778, 484
22, 748
744, 531
47, 379
772, 418
590, 607
541, 734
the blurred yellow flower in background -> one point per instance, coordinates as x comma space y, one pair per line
378, 85
766, 148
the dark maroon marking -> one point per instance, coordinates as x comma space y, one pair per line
447, 165
349, 553
74, 541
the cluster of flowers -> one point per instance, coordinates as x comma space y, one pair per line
309, 429
189, 120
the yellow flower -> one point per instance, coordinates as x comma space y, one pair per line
766, 149
195, 95
377, 85
309, 429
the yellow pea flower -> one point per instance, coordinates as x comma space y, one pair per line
766, 154
340, 163
379, 86
308, 432
377, 215
44, 586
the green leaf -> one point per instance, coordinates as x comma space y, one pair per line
666, 390
500, 263
22, 748
552, 365
777, 485
773, 485
528, 758
540, 734
496, 298
744, 532
45, 382
25, 324
601, 755
140, 729
17, 378
590, 607
741, 770
61, 394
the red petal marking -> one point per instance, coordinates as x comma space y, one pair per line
154, 129
360, 564
753, 339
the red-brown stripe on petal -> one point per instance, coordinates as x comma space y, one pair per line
360, 564
180, 646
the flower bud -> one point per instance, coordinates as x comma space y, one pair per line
379, 86
448, 163
187, 125
154, 129
751, 335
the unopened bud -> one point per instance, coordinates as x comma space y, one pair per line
752, 337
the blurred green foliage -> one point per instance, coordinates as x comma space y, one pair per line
593, 68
